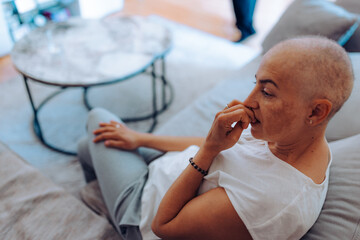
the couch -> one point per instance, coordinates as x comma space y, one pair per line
340, 216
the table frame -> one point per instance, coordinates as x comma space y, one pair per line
149, 69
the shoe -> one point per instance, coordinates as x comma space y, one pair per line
244, 35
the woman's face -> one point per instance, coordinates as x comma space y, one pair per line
277, 100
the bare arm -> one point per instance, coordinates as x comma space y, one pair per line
117, 135
169, 143
182, 214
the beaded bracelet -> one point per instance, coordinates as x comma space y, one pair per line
202, 171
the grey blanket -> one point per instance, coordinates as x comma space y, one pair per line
33, 207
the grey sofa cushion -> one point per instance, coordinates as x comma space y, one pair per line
350, 5
312, 17
353, 6
340, 216
353, 45
346, 122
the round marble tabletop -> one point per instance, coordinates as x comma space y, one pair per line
82, 52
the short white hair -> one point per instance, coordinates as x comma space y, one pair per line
327, 64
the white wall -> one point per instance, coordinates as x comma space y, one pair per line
5, 40
99, 9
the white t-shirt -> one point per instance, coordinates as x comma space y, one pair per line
273, 199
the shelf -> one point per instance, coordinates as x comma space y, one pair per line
35, 14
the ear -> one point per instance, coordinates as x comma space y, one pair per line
320, 111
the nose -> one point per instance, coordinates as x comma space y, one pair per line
251, 100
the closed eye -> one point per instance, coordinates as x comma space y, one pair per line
266, 94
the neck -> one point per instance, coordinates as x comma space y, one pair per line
292, 151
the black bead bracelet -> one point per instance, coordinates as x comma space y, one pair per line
200, 170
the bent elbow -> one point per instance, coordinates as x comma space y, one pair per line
155, 228
159, 230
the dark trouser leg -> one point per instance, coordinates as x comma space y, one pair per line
244, 11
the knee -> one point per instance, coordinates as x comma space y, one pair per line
97, 113
96, 116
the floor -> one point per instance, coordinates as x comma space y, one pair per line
213, 16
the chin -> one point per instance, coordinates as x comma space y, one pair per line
256, 134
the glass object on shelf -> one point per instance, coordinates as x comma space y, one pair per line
40, 20
56, 14
24, 15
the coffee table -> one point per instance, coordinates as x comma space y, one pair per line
83, 53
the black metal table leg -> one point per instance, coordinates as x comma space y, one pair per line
36, 122
165, 84
154, 117
85, 99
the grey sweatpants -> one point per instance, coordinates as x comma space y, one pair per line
121, 175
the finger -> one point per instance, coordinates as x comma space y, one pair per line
110, 124
236, 131
104, 136
231, 104
103, 129
239, 115
246, 109
113, 143
234, 103
115, 123
103, 124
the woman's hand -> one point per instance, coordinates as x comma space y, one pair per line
117, 135
223, 133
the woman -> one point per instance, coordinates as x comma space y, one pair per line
267, 181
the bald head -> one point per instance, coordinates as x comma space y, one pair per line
319, 66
